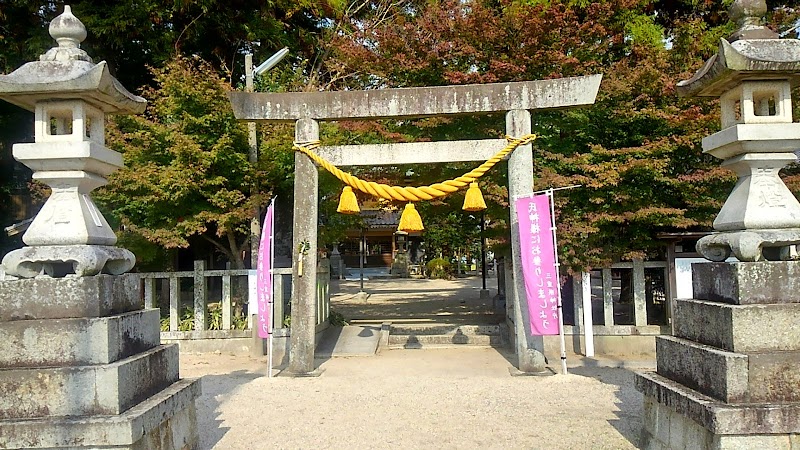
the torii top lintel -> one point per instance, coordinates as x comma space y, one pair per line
416, 102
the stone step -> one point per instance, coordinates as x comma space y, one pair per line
434, 329
444, 335
738, 328
78, 342
727, 376
717, 417
443, 340
87, 390
170, 412
714, 372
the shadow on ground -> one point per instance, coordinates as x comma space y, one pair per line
629, 400
415, 300
216, 388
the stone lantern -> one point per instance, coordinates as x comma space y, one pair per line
70, 97
753, 75
728, 377
82, 364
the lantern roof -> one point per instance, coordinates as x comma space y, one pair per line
67, 72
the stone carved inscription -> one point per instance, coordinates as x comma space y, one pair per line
768, 187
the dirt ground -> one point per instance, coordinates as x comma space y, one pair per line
416, 300
442, 398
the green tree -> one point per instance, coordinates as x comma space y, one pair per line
187, 171
636, 151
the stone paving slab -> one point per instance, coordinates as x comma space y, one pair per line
353, 340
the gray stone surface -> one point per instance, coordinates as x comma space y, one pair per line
529, 349
751, 245
304, 280
753, 138
61, 260
411, 152
76, 342
417, 102
741, 60
87, 390
716, 373
428, 341
71, 297
443, 335
738, 328
774, 377
759, 200
352, 340
716, 416
666, 429
747, 283
148, 425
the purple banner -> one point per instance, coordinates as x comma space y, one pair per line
264, 275
539, 263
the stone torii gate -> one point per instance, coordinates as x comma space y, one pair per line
307, 109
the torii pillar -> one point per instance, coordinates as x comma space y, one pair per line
306, 109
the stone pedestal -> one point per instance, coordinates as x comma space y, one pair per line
82, 366
730, 376
400, 265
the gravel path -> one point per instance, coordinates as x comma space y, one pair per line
443, 398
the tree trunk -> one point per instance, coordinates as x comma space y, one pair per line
237, 260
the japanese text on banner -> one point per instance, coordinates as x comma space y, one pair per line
264, 275
539, 263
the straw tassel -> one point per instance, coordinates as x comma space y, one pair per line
473, 201
348, 204
410, 221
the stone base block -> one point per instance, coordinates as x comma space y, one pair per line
664, 429
78, 342
717, 417
165, 421
70, 297
87, 390
727, 376
738, 328
742, 283
717, 373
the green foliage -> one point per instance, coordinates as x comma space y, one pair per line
150, 257
213, 319
636, 151
187, 171
337, 319
439, 268
643, 30
239, 322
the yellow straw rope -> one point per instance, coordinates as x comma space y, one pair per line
408, 193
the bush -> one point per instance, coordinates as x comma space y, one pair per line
439, 268
337, 319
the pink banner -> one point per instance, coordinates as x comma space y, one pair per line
536, 235
264, 275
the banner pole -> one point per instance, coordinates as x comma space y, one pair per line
558, 284
272, 286
535, 193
